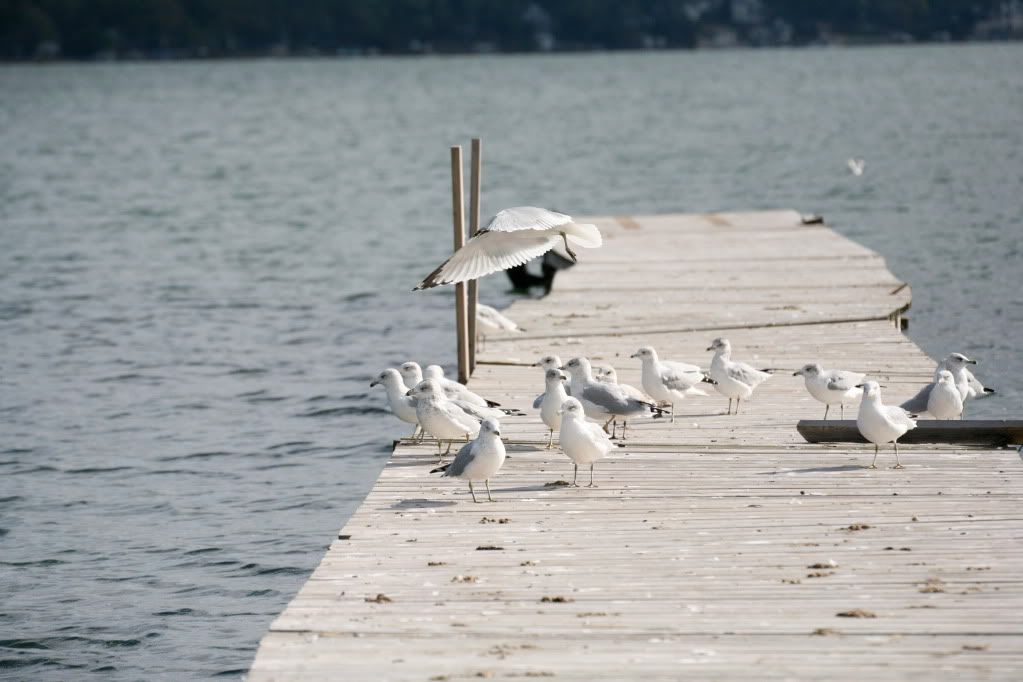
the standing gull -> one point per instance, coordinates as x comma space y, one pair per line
512, 237
941, 398
553, 397
583, 441
880, 423
490, 319
667, 381
479, 459
545, 363
402, 405
604, 401
440, 417
735, 380
969, 386
830, 386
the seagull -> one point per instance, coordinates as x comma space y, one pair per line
969, 386
402, 405
880, 423
454, 390
604, 401
666, 381
441, 418
553, 398
735, 380
512, 237
941, 398
411, 373
608, 375
479, 459
489, 319
545, 363
856, 166
583, 441
830, 386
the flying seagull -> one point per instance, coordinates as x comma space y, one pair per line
512, 237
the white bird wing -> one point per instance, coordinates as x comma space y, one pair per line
840, 380
477, 412
977, 386
679, 376
538, 402
456, 413
740, 371
490, 251
897, 415
596, 434
526, 218
496, 317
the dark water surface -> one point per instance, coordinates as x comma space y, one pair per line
202, 264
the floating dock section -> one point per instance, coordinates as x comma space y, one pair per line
718, 547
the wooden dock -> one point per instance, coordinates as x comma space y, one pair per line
720, 547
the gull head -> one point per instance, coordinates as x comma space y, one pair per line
945, 377
491, 427
571, 406
607, 375
555, 375
548, 362
425, 389
434, 372
645, 353
579, 367
720, 344
871, 389
959, 360
386, 377
411, 372
811, 370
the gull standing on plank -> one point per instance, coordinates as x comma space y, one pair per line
604, 401
830, 386
512, 237
583, 441
545, 363
402, 405
454, 390
880, 423
735, 380
667, 381
937, 399
856, 166
489, 319
478, 460
441, 418
608, 375
969, 386
553, 398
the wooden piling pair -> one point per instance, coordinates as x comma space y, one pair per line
466, 294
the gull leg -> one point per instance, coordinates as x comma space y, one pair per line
898, 464
550, 441
826, 407
607, 423
448, 451
729, 406
415, 430
570, 251
873, 462
575, 475
738, 401
672, 413
843, 411
467, 438
473, 493
591, 477
486, 482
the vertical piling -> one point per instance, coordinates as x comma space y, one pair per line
474, 226
458, 219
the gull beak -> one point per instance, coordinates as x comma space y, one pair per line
797, 373
563, 368
409, 393
634, 355
561, 412
971, 362
858, 386
563, 376
710, 347
373, 383
497, 433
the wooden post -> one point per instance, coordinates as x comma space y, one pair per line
457, 214
474, 226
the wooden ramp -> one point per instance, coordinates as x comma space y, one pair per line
718, 547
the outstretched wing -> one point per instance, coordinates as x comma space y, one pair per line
918, 403
490, 251
525, 218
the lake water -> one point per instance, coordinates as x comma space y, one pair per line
202, 264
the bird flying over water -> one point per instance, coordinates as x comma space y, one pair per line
512, 237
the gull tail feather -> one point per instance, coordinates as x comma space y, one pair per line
585, 235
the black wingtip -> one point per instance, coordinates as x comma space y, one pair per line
491, 403
443, 468
767, 370
708, 380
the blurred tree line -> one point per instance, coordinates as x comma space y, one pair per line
198, 28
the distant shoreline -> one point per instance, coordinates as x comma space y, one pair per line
371, 53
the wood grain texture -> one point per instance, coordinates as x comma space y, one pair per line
716, 548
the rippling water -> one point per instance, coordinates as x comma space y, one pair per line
201, 264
